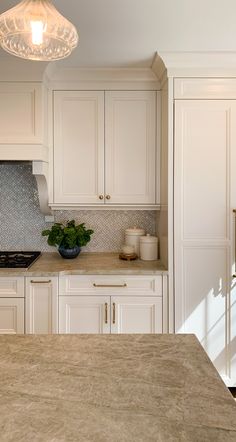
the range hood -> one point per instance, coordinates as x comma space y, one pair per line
24, 126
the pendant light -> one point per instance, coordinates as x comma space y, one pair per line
35, 30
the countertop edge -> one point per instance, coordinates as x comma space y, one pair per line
103, 263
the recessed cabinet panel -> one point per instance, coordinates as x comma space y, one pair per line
41, 305
11, 287
202, 168
136, 314
11, 315
130, 146
78, 147
20, 113
84, 314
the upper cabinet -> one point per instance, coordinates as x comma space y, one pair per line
105, 148
21, 121
130, 147
78, 147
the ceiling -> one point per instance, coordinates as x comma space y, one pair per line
127, 33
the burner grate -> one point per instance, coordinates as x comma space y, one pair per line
18, 259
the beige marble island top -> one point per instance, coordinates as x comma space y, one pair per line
111, 388
49, 264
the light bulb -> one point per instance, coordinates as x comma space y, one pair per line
37, 29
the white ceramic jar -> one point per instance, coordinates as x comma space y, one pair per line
132, 237
148, 247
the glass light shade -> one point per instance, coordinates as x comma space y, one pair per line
35, 30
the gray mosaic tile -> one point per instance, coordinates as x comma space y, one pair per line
21, 221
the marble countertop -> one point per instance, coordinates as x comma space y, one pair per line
52, 264
111, 388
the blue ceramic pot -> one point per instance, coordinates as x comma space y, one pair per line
69, 253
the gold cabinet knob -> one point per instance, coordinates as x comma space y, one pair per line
101, 197
108, 197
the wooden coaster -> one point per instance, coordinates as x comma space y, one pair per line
130, 257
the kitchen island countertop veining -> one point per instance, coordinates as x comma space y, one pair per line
142, 388
52, 264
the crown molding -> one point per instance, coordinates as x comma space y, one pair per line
194, 64
134, 78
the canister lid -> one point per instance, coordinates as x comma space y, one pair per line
135, 231
148, 239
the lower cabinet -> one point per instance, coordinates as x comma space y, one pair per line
110, 305
11, 305
11, 315
136, 314
86, 304
84, 314
41, 305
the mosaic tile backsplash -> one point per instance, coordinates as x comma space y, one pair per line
21, 221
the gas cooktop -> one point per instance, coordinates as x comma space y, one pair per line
18, 260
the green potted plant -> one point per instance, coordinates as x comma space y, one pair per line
68, 238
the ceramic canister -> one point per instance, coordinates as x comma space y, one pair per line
132, 237
148, 247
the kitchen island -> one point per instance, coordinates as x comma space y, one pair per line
116, 388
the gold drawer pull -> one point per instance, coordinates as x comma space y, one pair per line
109, 285
106, 319
40, 282
114, 313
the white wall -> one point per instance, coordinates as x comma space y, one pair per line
128, 32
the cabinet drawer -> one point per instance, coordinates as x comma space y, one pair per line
94, 284
11, 287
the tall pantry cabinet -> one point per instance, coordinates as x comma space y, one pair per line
204, 221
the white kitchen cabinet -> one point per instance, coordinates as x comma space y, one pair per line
110, 304
78, 147
84, 314
11, 305
41, 305
118, 166
205, 196
130, 146
136, 314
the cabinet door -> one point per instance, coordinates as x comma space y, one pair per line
41, 305
78, 147
11, 315
133, 314
12, 287
205, 137
130, 147
84, 314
